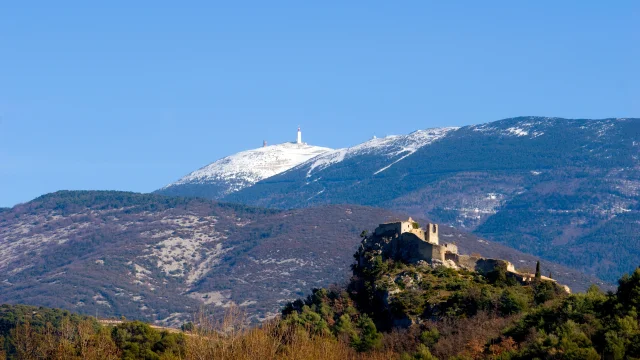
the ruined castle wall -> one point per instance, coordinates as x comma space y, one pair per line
389, 228
451, 256
452, 248
418, 232
468, 262
410, 248
428, 252
402, 227
432, 234
487, 265
483, 265
510, 266
437, 251
403, 248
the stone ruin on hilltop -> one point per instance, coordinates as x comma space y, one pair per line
405, 241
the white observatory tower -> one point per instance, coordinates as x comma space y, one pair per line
299, 142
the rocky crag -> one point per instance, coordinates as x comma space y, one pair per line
405, 241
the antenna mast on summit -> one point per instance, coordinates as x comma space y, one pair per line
299, 136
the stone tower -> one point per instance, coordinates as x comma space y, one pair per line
431, 234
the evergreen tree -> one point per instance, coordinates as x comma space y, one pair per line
629, 290
370, 338
538, 275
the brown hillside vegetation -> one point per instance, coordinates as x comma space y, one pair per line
227, 339
479, 319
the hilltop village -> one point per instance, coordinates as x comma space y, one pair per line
406, 241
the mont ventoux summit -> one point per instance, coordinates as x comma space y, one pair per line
236, 172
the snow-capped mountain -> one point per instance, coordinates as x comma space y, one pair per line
558, 188
238, 171
340, 169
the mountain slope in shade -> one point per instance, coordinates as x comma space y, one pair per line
235, 172
159, 258
548, 186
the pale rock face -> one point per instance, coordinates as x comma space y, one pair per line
248, 167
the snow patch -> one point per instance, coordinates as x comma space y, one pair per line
530, 127
517, 131
327, 160
248, 167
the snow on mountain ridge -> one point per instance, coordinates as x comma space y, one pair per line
389, 146
248, 167
531, 126
534, 126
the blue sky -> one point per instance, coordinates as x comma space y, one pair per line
132, 97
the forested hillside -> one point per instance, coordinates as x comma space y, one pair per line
434, 312
389, 310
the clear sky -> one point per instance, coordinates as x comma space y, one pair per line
132, 97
